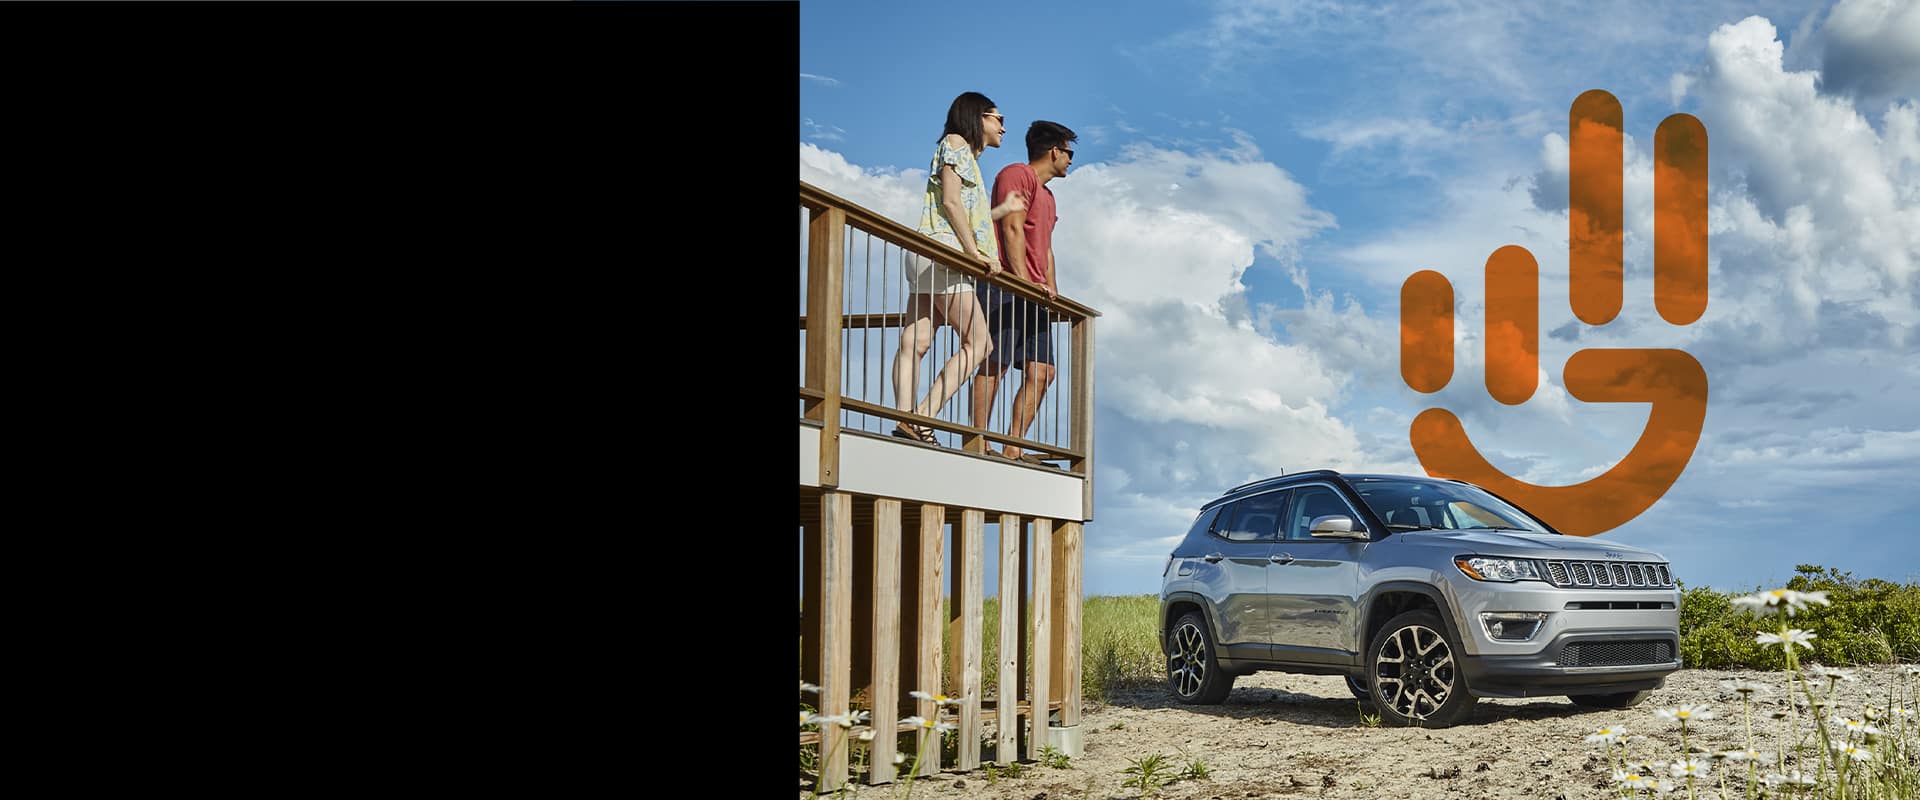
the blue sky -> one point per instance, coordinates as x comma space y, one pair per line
1259, 178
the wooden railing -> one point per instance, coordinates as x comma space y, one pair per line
833, 268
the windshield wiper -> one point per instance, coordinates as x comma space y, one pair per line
1501, 528
1409, 527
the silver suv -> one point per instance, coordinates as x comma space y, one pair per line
1427, 594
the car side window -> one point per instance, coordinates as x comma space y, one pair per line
1310, 502
1205, 523
1257, 518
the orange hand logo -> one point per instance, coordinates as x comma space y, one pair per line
1669, 379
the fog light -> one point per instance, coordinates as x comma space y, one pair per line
1513, 626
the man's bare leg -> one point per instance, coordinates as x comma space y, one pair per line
986, 387
1035, 378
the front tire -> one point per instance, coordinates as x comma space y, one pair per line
1414, 675
1359, 688
1615, 700
1193, 671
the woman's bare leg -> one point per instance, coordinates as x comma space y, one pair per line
961, 310
916, 337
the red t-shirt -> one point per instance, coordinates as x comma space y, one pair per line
1040, 218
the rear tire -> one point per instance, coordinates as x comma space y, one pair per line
1615, 700
1193, 672
1414, 675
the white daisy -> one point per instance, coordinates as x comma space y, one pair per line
1791, 638
1742, 686
1853, 751
1607, 735
1690, 768
1684, 714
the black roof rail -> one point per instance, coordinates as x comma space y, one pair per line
1278, 477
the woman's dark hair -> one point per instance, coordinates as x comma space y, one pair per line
1043, 136
963, 117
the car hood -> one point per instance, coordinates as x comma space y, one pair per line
1539, 545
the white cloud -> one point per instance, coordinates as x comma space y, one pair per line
822, 132
821, 79
898, 194
1816, 216
1871, 50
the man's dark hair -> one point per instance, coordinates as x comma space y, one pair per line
1042, 135
963, 117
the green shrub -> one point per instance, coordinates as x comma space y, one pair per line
1868, 622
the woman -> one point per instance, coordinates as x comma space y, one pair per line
958, 213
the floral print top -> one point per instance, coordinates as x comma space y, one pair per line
973, 195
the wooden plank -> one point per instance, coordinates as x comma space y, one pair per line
964, 628
867, 321
860, 588
826, 243
836, 623
1042, 693
933, 527
886, 638
1082, 413
1066, 622
1045, 449
1008, 680
1023, 747
810, 602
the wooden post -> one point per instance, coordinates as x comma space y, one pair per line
810, 604
1042, 693
1023, 747
964, 627
1066, 623
933, 526
860, 589
1009, 672
836, 623
826, 243
1082, 414
886, 639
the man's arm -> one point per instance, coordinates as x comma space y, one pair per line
1053, 285
1013, 241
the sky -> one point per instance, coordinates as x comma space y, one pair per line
1254, 180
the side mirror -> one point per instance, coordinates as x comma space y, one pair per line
1336, 527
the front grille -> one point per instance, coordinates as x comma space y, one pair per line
1615, 654
1609, 574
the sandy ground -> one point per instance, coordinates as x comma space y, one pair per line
1280, 735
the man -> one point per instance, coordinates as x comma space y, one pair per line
1021, 330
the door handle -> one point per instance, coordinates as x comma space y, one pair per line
1281, 558
1213, 558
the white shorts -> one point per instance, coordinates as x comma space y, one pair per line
926, 276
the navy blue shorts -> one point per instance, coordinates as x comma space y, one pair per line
1020, 328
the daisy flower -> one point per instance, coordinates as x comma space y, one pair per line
1852, 751
1831, 674
1780, 599
1684, 714
1607, 735
1791, 638
1690, 768
1742, 686
1856, 726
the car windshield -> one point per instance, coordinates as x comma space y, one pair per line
1422, 505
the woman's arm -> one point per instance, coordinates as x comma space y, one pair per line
956, 211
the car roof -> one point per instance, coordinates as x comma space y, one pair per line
1279, 481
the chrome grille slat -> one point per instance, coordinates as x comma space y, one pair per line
1612, 575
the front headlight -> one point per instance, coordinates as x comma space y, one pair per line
1481, 568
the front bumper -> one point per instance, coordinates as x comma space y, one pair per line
1565, 665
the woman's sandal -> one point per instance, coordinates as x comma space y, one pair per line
920, 433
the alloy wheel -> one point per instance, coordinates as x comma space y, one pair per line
1187, 665
1416, 671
